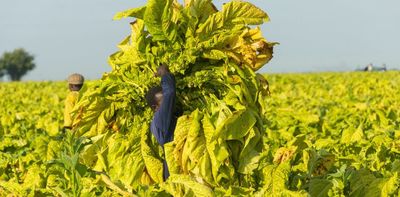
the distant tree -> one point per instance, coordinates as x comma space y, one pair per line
2, 72
16, 63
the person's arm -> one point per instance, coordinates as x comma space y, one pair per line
165, 113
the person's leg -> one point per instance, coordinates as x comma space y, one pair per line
165, 171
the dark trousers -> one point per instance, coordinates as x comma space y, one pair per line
165, 170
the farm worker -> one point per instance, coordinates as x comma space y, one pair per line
162, 102
75, 83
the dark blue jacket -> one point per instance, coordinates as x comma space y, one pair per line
164, 121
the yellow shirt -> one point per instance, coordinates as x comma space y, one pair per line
70, 102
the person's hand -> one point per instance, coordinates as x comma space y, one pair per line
162, 70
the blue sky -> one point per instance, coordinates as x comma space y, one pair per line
316, 35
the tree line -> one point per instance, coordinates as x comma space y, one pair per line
16, 64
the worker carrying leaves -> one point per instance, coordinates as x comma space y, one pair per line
162, 102
75, 83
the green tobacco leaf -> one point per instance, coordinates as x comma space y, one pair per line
212, 24
12, 188
135, 12
233, 191
173, 165
201, 9
351, 135
275, 177
359, 180
274, 180
236, 126
138, 36
324, 143
158, 20
382, 187
215, 55
183, 184
153, 163
209, 129
233, 13
319, 187
250, 156
396, 166
240, 12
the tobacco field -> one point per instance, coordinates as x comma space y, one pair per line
341, 130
